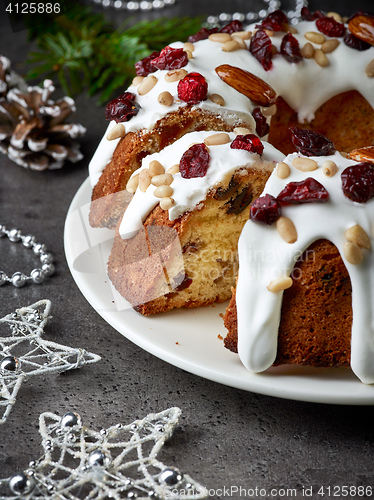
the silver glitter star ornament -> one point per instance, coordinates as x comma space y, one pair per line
119, 462
23, 352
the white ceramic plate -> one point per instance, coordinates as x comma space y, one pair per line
190, 339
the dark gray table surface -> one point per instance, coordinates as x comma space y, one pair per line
226, 436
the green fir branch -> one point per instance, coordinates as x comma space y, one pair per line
88, 54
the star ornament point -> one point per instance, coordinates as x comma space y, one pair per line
24, 353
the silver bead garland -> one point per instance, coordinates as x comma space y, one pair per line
250, 17
37, 275
135, 6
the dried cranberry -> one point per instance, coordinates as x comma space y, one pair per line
358, 182
355, 43
203, 34
290, 49
330, 27
275, 21
260, 48
310, 143
122, 108
249, 142
265, 209
306, 191
170, 58
194, 162
144, 66
232, 27
193, 88
307, 15
262, 127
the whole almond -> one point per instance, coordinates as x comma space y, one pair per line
363, 154
363, 28
248, 84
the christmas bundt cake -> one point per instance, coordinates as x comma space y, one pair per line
318, 74
176, 245
306, 265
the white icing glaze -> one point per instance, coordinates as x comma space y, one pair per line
305, 86
264, 256
188, 193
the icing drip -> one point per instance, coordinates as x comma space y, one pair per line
305, 86
188, 193
265, 256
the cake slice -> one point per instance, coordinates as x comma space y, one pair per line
306, 278
176, 245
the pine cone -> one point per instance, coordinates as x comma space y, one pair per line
33, 132
8, 78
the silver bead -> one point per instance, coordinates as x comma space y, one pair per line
158, 4
2, 230
71, 421
170, 476
144, 5
21, 484
28, 241
9, 364
18, 279
238, 16
48, 269
118, 4
224, 17
99, 458
39, 248
3, 278
37, 276
133, 6
14, 235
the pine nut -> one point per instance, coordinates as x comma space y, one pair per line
219, 37
329, 168
286, 229
244, 35
147, 84
189, 54
163, 192
162, 179
358, 235
230, 46
137, 80
369, 70
155, 168
217, 139
166, 203
280, 284
330, 45
274, 50
116, 132
144, 180
217, 99
335, 15
175, 75
269, 111
315, 37
165, 98
283, 170
239, 41
269, 32
242, 131
352, 252
304, 164
189, 46
173, 170
307, 51
290, 29
321, 58
133, 183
